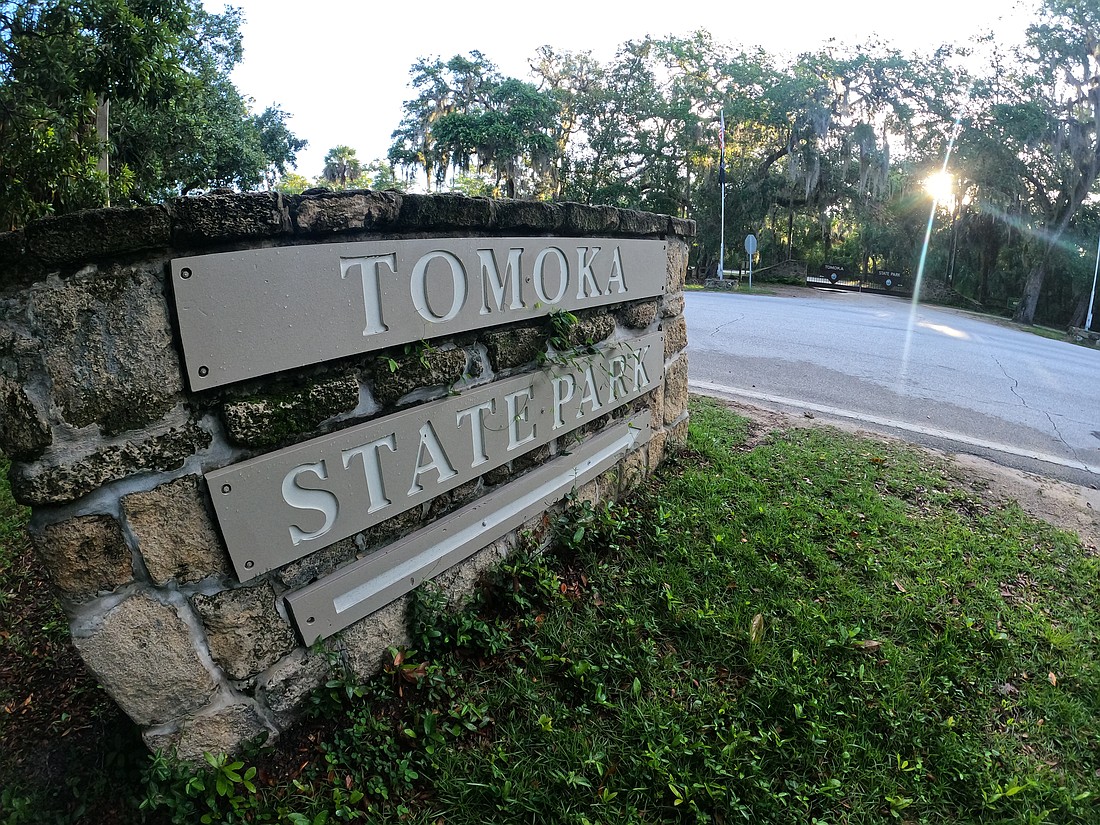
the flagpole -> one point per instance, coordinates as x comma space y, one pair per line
722, 186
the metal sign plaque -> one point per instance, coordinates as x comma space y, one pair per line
259, 311
284, 505
361, 587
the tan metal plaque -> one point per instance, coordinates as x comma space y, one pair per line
284, 505
361, 587
260, 311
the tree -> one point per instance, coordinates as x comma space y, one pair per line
177, 123
342, 167
1053, 127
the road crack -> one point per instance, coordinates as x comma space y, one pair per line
720, 327
1050, 418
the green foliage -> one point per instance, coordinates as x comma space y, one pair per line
161, 72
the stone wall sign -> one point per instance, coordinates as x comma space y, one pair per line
284, 505
259, 311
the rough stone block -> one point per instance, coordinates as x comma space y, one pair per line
322, 212
639, 315
676, 390
266, 421
632, 470
318, 563
683, 228
676, 336
110, 361
212, 218
24, 434
656, 402
633, 222
672, 305
245, 632
366, 642
656, 448
288, 682
222, 731
421, 212
592, 329
515, 347
16, 269
44, 483
175, 534
143, 654
458, 583
678, 432
582, 219
431, 368
677, 266
532, 216
82, 236
85, 555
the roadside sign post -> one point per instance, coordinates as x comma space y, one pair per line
750, 247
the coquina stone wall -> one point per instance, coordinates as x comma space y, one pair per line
109, 445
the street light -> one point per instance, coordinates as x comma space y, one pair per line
1092, 297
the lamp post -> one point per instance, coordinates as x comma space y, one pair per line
1092, 296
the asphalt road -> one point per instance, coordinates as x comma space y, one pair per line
934, 376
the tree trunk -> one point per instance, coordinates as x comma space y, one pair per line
1080, 310
1025, 312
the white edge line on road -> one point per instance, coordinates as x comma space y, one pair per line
737, 392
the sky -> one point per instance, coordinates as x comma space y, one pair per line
341, 67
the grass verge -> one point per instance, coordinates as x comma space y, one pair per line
820, 628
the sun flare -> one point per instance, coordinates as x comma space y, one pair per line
941, 186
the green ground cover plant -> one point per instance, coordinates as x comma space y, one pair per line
798, 626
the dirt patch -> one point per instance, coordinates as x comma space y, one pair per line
1066, 506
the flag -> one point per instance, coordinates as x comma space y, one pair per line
722, 149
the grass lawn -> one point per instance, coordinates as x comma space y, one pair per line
815, 628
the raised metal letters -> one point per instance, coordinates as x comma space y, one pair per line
284, 505
260, 311
361, 587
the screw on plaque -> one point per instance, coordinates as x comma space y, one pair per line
227, 488
204, 371
248, 565
185, 273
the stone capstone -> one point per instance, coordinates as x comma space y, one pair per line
429, 368
95, 233
43, 483
174, 532
244, 631
111, 360
529, 215
321, 212
515, 347
583, 219
266, 421
143, 654
24, 434
450, 211
228, 217
634, 222
85, 555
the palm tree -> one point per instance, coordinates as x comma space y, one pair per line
341, 166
